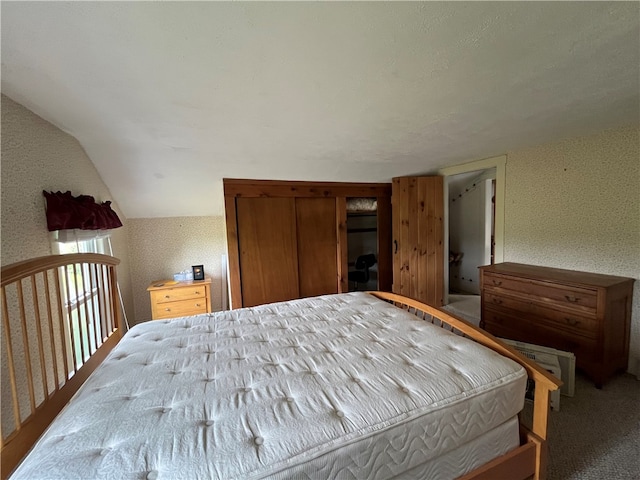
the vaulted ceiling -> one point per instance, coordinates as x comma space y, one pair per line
167, 98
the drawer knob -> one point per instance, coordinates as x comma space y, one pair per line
572, 321
167, 296
167, 309
197, 304
571, 298
497, 301
197, 292
497, 283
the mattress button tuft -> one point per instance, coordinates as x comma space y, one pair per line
152, 475
258, 440
290, 399
209, 423
339, 413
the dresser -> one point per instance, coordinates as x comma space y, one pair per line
587, 314
169, 300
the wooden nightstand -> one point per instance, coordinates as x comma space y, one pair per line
180, 299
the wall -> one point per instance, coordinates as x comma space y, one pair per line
38, 156
161, 247
575, 204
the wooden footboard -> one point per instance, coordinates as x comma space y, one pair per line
60, 318
529, 460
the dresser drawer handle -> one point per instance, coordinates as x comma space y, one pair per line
167, 309
571, 298
167, 296
497, 283
197, 304
197, 292
497, 301
572, 321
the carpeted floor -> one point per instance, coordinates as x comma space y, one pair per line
596, 433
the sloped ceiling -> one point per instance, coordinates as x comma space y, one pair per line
169, 98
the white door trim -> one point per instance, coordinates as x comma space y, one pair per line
499, 163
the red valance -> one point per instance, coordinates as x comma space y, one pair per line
64, 211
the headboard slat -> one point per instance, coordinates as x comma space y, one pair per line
41, 352
27, 348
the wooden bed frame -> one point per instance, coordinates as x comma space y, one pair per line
37, 342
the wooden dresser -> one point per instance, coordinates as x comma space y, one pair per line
588, 314
180, 299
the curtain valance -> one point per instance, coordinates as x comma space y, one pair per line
64, 211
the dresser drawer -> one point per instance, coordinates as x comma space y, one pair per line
180, 308
505, 325
533, 312
175, 294
585, 349
563, 295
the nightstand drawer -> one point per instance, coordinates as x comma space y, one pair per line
182, 308
175, 294
562, 295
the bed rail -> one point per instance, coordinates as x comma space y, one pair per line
60, 318
533, 441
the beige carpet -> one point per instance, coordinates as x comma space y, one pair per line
596, 433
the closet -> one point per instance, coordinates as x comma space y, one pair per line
290, 240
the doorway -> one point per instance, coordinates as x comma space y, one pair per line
474, 230
471, 228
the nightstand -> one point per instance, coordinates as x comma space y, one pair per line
181, 299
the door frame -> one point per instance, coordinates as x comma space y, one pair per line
499, 163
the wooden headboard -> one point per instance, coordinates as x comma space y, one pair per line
60, 318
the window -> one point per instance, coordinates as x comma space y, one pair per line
82, 287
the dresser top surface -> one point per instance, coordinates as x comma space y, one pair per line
555, 274
164, 284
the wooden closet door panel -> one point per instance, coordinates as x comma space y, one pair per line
418, 259
431, 237
317, 246
267, 249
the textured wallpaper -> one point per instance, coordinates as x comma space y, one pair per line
575, 204
38, 156
160, 247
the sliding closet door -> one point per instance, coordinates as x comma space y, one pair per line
418, 236
267, 247
317, 247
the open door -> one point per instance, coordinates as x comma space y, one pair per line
418, 238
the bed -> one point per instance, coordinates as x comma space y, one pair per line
355, 385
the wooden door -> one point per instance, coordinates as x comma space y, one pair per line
317, 252
267, 244
418, 236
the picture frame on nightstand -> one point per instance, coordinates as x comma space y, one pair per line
198, 272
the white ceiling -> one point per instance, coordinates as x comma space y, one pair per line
169, 98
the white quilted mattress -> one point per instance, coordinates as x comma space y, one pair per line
340, 386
